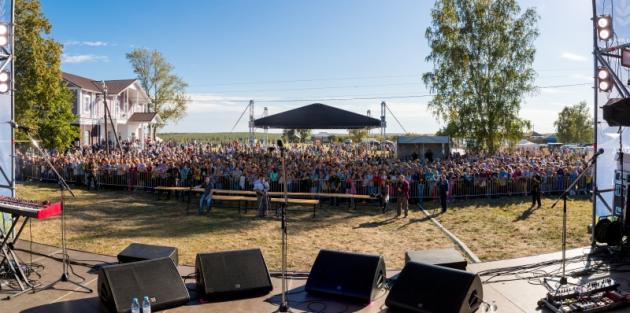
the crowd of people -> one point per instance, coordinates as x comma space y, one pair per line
334, 168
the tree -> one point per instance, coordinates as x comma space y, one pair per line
304, 134
574, 124
42, 100
296, 135
482, 53
166, 90
357, 134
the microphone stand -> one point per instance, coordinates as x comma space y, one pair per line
63, 186
563, 197
284, 305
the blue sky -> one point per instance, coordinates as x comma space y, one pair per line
276, 51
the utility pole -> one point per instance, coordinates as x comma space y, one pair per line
104, 88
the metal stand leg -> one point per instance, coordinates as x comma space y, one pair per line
65, 276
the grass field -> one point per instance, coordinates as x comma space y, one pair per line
107, 221
507, 227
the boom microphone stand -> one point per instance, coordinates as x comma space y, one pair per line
284, 305
63, 186
563, 197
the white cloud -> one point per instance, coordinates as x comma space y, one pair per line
573, 57
83, 58
88, 43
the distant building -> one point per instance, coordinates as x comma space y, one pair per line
409, 147
322, 137
128, 107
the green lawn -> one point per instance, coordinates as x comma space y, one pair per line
107, 221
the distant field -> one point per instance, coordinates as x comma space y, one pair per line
215, 137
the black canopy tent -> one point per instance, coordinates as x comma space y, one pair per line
317, 116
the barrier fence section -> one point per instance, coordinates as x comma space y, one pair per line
473, 187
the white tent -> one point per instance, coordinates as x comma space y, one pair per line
526, 144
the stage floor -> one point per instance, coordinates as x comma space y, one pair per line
511, 296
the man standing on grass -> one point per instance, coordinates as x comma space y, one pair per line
443, 190
261, 186
402, 192
536, 181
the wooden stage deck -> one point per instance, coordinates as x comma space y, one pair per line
510, 297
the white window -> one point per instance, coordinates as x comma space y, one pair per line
87, 102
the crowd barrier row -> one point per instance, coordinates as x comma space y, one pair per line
460, 188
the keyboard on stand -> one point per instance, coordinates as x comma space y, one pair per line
28, 208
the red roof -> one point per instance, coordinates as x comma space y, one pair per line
114, 87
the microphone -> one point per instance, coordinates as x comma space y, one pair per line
16, 126
599, 152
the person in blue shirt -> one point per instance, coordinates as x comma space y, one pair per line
206, 197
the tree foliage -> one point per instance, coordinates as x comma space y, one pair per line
357, 134
574, 124
42, 100
165, 89
296, 135
482, 53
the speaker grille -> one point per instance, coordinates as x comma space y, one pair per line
158, 279
233, 273
351, 275
428, 288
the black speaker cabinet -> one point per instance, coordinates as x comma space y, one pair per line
140, 252
349, 275
425, 288
157, 279
232, 274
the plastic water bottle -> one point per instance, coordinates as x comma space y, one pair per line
135, 306
146, 305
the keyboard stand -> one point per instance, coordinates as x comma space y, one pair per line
11, 259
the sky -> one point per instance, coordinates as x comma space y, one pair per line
284, 54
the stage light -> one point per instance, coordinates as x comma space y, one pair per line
605, 81
604, 27
4, 34
4, 82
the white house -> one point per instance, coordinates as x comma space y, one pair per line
128, 106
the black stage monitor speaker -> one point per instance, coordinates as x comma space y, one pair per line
617, 112
232, 274
425, 288
349, 275
140, 252
157, 279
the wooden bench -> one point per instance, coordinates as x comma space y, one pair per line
318, 196
314, 203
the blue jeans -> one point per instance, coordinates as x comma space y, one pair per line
420, 193
206, 200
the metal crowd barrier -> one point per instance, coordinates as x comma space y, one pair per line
460, 188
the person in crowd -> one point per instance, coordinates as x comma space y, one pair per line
261, 186
384, 194
443, 191
206, 197
536, 181
402, 195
